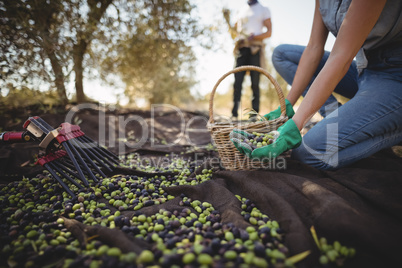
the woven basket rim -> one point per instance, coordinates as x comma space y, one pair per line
278, 88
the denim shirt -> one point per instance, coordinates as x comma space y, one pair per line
387, 30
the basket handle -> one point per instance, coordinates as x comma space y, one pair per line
241, 69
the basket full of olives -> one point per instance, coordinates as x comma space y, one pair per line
230, 157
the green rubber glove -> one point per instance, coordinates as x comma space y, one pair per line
237, 136
276, 113
289, 138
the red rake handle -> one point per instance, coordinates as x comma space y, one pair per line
14, 137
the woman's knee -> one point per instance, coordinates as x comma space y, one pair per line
285, 59
279, 53
309, 156
319, 147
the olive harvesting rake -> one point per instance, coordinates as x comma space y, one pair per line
66, 152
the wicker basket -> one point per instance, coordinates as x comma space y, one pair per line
231, 158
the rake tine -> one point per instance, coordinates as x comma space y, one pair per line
58, 179
68, 135
85, 156
103, 156
77, 154
96, 155
61, 169
85, 140
107, 152
100, 161
48, 161
69, 150
68, 163
111, 160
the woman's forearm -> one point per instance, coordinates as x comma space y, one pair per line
359, 20
322, 88
310, 58
307, 66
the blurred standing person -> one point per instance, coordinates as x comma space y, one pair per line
249, 49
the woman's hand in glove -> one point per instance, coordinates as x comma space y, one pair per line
276, 113
287, 137
238, 138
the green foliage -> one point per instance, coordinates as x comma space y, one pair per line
44, 41
24, 96
31, 47
155, 58
145, 43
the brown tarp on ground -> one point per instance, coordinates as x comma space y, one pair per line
360, 206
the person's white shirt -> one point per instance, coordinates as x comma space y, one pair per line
250, 19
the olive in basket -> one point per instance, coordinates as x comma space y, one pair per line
267, 146
254, 140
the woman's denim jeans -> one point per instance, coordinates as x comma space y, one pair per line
370, 121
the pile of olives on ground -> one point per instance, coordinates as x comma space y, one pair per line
33, 233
